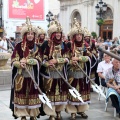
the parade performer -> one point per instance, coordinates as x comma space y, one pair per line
94, 58
80, 55
25, 101
55, 54
39, 42
40, 36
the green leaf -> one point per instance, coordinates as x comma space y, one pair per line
94, 34
100, 22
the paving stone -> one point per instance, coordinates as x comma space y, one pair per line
96, 111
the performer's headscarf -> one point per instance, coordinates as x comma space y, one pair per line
87, 34
27, 45
76, 29
55, 27
40, 32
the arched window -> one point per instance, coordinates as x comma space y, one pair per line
76, 15
108, 15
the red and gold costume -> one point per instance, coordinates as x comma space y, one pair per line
55, 87
76, 77
24, 94
94, 55
39, 42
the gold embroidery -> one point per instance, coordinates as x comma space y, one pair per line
57, 89
19, 82
70, 80
47, 83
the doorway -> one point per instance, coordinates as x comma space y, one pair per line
107, 30
107, 34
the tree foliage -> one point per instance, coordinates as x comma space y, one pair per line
94, 34
100, 22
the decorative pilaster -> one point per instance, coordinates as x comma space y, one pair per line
88, 2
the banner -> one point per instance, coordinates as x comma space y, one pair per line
19, 9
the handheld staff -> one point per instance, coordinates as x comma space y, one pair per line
94, 86
10, 44
109, 53
72, 90
43, 96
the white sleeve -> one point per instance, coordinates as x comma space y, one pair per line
2, 43
99, 68
5, 44
107, 76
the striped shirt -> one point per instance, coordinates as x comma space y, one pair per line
112, 74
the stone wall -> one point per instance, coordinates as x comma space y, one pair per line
6, 76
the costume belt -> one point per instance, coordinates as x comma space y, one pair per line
76, 74
25, 74
55, 75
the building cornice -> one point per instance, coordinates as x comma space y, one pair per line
65, 3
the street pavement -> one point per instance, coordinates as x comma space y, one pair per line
95, 112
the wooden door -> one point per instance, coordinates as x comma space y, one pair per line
107, 30
107, 34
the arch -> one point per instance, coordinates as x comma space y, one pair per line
75, 14
108, 15
111, 7
107, 27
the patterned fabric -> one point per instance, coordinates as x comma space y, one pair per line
111, 91
111, 74
27, 96
83, 89
77, 79
58, 90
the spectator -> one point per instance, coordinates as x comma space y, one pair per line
3, 45
99, 39
12, 42
100, 44
115, 41
112, 78
102, 67
108, 43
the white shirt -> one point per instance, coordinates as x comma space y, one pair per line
103, 67
1, 44
4, 45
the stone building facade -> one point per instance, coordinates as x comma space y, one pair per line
84, 11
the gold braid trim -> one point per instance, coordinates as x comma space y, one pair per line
46, 64
31, 61
70, 80
47, 83
60, 60
17, 64
45, 57
83, 58
16, 58
19, 82
38, 58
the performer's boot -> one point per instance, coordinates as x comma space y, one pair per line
83, 115
33, 118
23, 118
58, 117
51, 118
73, 116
